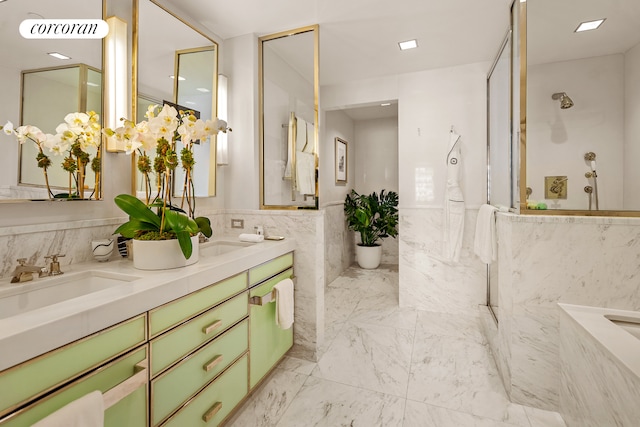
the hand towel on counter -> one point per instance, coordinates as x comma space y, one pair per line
284, 303
252, 238
87, 411
485, 244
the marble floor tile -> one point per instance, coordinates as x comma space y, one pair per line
457, 374
372, 357
419, 414
325, 403
381, 365
541, 418
268, 403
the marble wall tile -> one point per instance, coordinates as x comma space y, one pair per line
35, 242
596, 388
427, 281
339, 242
544, 260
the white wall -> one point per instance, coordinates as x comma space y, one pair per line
240, 177
335, 124
632, 128
376, 153
558, 139
9, 111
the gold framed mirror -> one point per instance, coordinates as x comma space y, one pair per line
179, 65
288, 67
40, 90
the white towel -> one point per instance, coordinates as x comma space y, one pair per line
290, 138
87, 411
284, 303
301, 134
253, 238
485, 244
306, 173
310, 147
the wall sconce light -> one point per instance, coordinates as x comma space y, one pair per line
115, 71
222, 147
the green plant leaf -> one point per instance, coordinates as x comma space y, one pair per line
136, 209
176, 221
204, 224
131, 227
184, 239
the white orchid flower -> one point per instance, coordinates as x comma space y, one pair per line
30, 132
76, 119
131, 145
151, 111
56, 145
8, 128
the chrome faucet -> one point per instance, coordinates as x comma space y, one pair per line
24, 272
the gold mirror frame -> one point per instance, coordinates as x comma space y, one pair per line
316, 90
519, 18
134, 87
97, 191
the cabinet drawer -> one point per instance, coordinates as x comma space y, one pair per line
176, 312
177, 343
212, 405
263, 271
268, 342
174, 387
130, 411
38, 376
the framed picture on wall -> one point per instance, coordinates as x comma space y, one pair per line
341, 161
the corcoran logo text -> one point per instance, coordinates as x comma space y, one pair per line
63, 28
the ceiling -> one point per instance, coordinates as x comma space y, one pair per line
359, 38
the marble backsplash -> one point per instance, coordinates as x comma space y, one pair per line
429, 282
543, 260
34, 242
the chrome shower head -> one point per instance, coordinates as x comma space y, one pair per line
565, 101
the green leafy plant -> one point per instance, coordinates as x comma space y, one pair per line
374, 217
167, 222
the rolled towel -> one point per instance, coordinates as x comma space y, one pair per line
253, 238
87, 411
485, 243
284, 303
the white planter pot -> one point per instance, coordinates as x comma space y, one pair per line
162, 254
368, 256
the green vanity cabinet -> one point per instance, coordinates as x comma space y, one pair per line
68, 373
213, 404
31, 379
268, 343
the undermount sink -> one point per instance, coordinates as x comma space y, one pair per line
41, 292
220, 247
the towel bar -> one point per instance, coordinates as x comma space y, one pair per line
128, 386
267, 298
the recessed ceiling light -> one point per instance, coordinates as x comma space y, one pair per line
409, 44
180, 78
385, 104
59, 55
203, 89
589, 25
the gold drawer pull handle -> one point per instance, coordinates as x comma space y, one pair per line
209, 366
126, 387
212, 412
215, 325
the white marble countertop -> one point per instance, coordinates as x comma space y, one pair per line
38, 331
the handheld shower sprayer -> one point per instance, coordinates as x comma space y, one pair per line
591, 157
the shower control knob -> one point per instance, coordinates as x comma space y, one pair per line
588, 189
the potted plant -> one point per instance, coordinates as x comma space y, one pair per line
374, 217
172, 226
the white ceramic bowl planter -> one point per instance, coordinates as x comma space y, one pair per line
162, 254
368, 256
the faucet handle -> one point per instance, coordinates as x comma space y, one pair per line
21, 261
54, 257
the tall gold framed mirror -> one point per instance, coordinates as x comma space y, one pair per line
40, 89
289, 85
178, 64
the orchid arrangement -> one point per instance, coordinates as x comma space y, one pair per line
75, 138
161, 132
